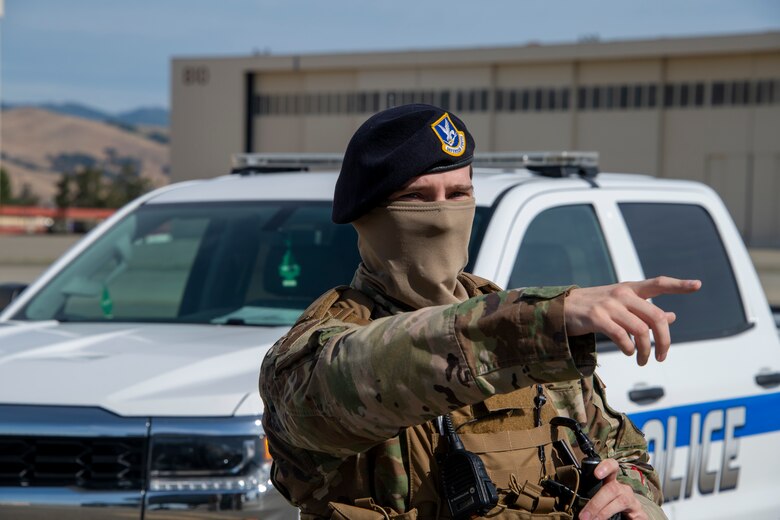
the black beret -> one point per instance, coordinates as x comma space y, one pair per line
391, 148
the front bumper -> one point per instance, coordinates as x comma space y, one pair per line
86, 463
73, 504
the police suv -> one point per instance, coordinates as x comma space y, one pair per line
128, 370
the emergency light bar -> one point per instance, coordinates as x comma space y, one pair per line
549, 164
283, 162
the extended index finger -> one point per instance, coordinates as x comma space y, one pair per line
664, 285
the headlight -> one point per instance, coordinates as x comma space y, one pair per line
208, 455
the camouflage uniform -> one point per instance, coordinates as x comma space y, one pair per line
351, 393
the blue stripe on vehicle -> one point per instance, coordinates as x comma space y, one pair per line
762, 415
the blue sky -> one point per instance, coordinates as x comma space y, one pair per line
115, 54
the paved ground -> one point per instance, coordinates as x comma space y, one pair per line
24, 257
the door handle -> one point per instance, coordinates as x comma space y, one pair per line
646, 395
768, 380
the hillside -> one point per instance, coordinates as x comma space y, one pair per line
38, 144
143, 116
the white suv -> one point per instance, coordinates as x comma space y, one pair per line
128, 371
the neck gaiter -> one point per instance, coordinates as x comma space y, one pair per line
413, 252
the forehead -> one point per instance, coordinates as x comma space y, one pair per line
458, 177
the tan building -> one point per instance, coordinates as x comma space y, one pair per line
706, 108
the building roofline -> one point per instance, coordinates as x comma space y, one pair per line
521, 54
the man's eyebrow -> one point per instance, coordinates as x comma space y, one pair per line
462, 187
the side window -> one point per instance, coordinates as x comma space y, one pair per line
563, 246
681, 240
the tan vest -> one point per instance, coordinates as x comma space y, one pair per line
501, 430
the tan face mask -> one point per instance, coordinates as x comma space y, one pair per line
413, 252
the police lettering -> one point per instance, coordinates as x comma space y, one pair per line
712, 469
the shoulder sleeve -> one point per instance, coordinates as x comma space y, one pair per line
341, 388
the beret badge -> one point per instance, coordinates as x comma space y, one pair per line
453, 141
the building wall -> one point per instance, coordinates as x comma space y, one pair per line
705, 109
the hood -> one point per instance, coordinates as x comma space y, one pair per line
135, 369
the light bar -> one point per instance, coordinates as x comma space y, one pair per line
286, 160
306, 161
532, 159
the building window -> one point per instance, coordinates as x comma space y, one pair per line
538, 104
765, 91
668, 96
698, 94
552, 101
610, 97
498, 101
638, 101
564, 97
624, 96
595, 98
444, 100
652, 95
512, 100
525, 100
760, 92
734, 92
718, 93
683, 95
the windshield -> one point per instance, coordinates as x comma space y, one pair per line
237, 263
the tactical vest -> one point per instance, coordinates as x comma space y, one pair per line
399, 478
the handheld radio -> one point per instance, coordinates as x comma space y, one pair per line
589, 483
466, 486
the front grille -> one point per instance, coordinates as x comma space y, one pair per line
92, 463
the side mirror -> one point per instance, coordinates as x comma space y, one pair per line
9, 291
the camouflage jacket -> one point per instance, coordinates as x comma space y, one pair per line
350, 394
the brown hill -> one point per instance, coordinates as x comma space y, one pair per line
37, 145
